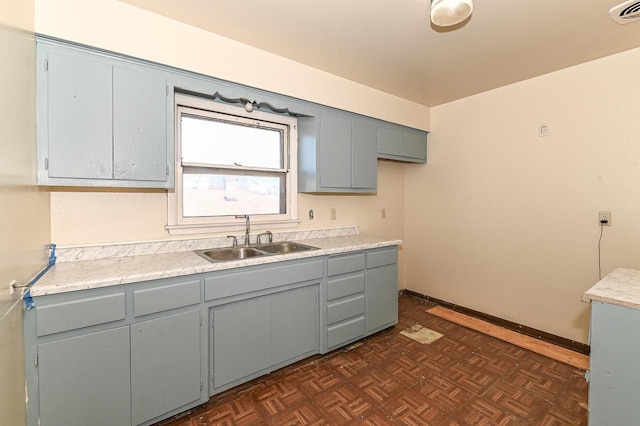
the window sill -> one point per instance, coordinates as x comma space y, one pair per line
229, 227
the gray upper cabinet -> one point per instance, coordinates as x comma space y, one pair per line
337, 153
139, 126
101, 121
402, 144
77, 110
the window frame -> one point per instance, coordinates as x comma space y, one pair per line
177, 223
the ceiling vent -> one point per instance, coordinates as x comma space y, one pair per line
626, 12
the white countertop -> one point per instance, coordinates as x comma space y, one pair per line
94, 273
620, 287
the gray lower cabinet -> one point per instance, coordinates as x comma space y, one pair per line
101, 121
614, 369
240, 341
255, 336
294, 325
361, 296
337, 153
165, 364
84, 380
123, 355
262, 318
345, 300
382, 289
138, 353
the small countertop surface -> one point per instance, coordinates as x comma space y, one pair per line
620, 287
87, 274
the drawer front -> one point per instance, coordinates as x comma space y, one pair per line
345, 264
152, 300
343, 309
345, 286
234, 282
343, 332
65, 316
382, 257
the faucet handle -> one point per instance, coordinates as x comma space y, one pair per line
268, 234
235, 240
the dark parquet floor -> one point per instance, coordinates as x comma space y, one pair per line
464, 378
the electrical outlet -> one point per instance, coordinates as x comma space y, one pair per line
543, 130
333, 214
383, 213
604, 218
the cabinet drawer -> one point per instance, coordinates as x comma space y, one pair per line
65, 316
345, 264
345, 286
343, 309
152, 300
382, 257
343, 332
234, 282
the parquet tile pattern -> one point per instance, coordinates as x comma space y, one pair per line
463, 378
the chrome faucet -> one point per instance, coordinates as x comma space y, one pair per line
247, 228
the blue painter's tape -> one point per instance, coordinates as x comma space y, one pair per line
28, 300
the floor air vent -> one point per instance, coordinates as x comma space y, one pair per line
626, 12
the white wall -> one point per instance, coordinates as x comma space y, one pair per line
24, 216
504, 221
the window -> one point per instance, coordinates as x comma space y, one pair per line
231, 162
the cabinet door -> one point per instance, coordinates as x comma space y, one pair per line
139, 125
79, 117
335, 151
240, 340
85, 380
382, 296
294, 324
615, 372
415, 145
364, 172
390, 141
165, 364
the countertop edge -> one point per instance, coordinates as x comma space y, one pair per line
90, 274
620, 287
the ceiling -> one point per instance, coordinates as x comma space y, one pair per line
390, 45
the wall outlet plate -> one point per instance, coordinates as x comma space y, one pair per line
604, 218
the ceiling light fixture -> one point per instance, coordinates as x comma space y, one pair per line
445, 13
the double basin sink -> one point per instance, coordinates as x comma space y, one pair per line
239, 253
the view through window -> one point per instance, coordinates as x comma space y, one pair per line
232, 162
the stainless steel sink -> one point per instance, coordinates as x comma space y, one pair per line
238, 253
284, 248
227, 254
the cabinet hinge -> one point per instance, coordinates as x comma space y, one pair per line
201, 319
167, 170
35, 359
201, 384
213, 376
167, 90
46, 163
46, 65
